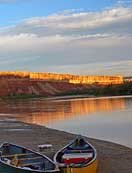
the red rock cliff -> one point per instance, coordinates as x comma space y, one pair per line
46, 84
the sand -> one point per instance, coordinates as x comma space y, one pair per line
113, 158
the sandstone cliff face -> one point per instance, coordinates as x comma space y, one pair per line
46, 84
34, 87
104, 80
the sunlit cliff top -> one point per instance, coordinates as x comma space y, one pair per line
115, 79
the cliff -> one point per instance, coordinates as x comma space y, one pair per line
38, 88
45, 84
104, 80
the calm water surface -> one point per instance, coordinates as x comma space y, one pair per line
103, 118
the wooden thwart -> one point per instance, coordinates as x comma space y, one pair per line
28, 164
82, 151
22, 154
30, 158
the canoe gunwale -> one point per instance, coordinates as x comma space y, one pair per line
84, 164
24, 169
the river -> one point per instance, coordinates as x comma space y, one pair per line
105, 118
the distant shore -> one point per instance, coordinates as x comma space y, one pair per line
87, 91
70, 97
64, 97
112, 157
47, 98
85, 96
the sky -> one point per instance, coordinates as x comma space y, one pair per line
87, 37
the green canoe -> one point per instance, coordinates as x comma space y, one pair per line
17, 159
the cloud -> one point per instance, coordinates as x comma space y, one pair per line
122, 2
78, 23
82, 20
109, 68
69, 38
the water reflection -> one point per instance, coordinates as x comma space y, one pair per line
44, 112
103, 118
68, 109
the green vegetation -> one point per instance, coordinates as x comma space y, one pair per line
110, 90
115, 90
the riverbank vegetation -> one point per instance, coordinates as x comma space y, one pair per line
115, 90
96, 90
110, 90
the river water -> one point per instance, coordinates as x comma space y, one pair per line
103, 118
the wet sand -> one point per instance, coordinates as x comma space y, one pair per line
113, 158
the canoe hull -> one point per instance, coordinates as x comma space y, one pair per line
92, 168
79, 156
8, 169
26, 160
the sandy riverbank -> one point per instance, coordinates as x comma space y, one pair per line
113, 158
79, 96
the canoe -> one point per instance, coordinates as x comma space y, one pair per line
78, 156
17, 159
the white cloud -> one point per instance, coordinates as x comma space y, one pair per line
82, 20
68, 38
124, 1
77, 23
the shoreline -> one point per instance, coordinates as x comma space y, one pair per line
65, 97
84, 97
112, 157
